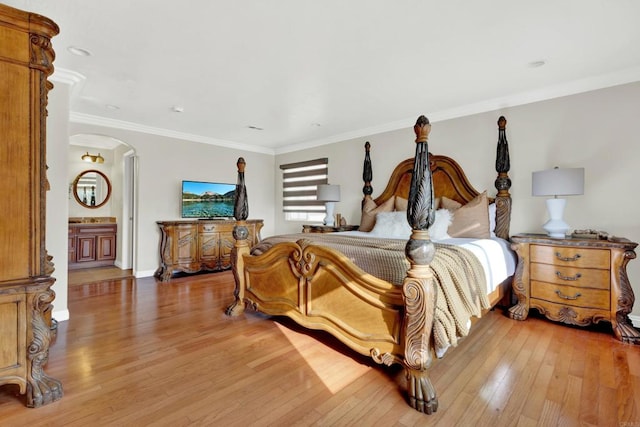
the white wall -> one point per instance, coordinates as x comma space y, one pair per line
57, 214
595, 130
77, 166
164, 162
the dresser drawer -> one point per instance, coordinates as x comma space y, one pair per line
571, 256
571, 295
569, 276
208, 228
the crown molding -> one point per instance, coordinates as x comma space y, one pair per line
628, 75
89, 119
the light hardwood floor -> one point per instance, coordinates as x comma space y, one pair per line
140, 352
85, 276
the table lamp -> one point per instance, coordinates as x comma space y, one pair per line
329, 194
557, 182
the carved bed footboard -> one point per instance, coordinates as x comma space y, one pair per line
320, 288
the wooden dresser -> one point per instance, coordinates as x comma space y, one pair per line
26, 330
199, 245
575, 281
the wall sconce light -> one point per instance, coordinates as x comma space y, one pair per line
557, 182
329, 194
93, 158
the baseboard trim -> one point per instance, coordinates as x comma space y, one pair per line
60, 315
146, 273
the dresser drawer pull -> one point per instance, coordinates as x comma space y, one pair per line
568, 258
570, 278
576, 296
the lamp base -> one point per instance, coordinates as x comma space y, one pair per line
328, 219
556, 227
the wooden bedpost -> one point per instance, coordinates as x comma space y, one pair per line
503, 182
367, 174
419, 288
241, 247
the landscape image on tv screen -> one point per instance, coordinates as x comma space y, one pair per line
207, 199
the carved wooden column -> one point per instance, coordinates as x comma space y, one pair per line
503, 182
241, 247
419, 290
367, 174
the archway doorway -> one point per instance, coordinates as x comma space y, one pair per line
117, 160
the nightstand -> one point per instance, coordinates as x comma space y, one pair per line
310, 228
577, 281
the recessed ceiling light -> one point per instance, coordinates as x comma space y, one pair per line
254, 127
177, 108
111, 107
536, 64
78, 51
315, 124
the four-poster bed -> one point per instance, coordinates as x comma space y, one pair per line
321, 285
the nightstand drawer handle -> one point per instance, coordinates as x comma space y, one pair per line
576, 296
570, 278
568, 258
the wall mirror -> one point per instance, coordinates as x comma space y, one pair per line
91, 189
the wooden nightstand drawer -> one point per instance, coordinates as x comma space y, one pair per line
579, 277
571, 256
571, 295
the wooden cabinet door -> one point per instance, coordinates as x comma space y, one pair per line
186, 250
209, 249
13, 334
72, 247
106, 248
226, 245
85, 248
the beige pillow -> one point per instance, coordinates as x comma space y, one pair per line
472, 219
447, 203
369, 211
401, 204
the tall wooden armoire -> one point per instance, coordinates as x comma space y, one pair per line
26, 331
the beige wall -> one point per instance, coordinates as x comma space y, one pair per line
57, 231
595, 130
163, 163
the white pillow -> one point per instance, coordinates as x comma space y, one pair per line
438, 230
393, 225
492, 219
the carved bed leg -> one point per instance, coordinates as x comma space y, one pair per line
419, 293
241, 247
240, 233
419, 288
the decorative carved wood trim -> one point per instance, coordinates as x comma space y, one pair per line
241, 247
502, 182
419, 288
367, 173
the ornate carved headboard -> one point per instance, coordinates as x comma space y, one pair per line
449, 180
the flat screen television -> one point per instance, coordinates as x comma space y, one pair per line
207, 199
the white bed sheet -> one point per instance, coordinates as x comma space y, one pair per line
495, 254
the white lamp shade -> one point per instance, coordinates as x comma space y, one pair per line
328, 193
558, 182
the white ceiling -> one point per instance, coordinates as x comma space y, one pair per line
312, 72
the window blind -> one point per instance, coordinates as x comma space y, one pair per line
299, 189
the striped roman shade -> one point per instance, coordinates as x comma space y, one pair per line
299, 184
